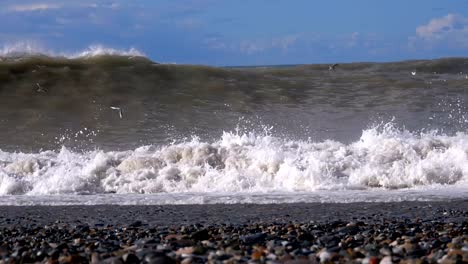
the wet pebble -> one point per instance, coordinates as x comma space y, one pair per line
387, 241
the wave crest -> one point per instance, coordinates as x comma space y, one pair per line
99, 50
27, 49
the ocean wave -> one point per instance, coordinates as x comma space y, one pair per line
99, 71
383, 158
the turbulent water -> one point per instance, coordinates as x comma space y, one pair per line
198, 134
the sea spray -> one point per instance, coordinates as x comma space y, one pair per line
384, 157
28, 49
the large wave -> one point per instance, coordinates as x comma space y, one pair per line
384, 157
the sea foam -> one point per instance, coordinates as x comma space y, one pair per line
384, 158
31, 48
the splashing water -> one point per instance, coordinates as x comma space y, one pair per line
32, 48
384, 158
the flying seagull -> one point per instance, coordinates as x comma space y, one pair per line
118, 109
40, 89
413, 73
332, 67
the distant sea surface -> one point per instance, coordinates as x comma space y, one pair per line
121, 129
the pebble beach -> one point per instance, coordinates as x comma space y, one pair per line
404, 232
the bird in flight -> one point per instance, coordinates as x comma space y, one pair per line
118, 109
40, 89
332, 67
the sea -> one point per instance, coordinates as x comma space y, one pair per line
114, 127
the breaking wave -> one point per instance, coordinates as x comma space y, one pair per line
383, 158
46, 94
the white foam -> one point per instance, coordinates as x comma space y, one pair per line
99, 50
383, 161
33, 48
22, 48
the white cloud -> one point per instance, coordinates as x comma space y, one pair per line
448, 31
91, 5
354, 38
33, 7
215, 42
54, 4
437, 27
189, 23
112, 5
253, 46
285, 42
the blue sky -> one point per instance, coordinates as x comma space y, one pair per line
249, 32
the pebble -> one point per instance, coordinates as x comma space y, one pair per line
385, 242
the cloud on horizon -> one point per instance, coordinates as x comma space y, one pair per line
450, 31
252, 46
33, 7
363, 43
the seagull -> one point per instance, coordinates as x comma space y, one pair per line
332, 67
40, 89
413, 73
118, 109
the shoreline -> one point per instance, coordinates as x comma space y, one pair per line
211, 214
